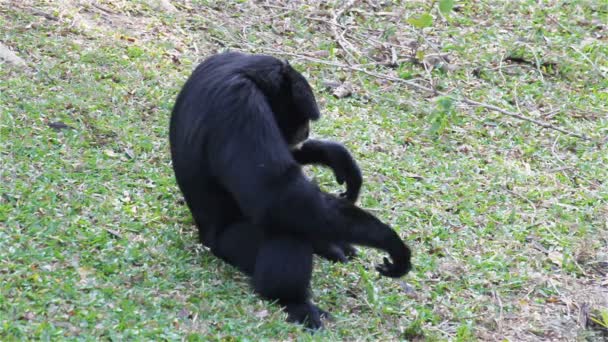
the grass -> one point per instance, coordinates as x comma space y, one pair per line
508, 221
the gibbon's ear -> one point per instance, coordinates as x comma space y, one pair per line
268, 78
301, 93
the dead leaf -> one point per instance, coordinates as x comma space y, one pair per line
110, 153
129, 152
84, 273
329, 84
344, 90
183, 314
556, 257
408, 289
10, 57
413, 175
464, 148
127, 38
261, 314
28, 316
321, 53
163, 5
58, 125
435, 60
114, 233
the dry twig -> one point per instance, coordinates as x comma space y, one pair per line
40, 13
416, 86
339, 36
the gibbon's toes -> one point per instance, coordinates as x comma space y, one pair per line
306, 314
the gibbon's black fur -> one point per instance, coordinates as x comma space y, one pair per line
234, 133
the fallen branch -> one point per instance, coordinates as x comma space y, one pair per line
521, 117
435, 92
354, 68
41, 13
334, 24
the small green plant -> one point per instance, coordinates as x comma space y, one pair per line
426, 19
600, 317
442, 116
464, 333
414, 331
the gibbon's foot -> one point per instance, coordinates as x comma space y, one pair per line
336, 252
307, 314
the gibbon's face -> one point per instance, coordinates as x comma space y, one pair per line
299, 137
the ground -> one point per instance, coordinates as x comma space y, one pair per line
481, 132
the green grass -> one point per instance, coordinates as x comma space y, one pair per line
508, 220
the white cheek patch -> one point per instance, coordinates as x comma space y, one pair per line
296, 146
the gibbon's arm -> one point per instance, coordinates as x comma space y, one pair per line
336, 157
